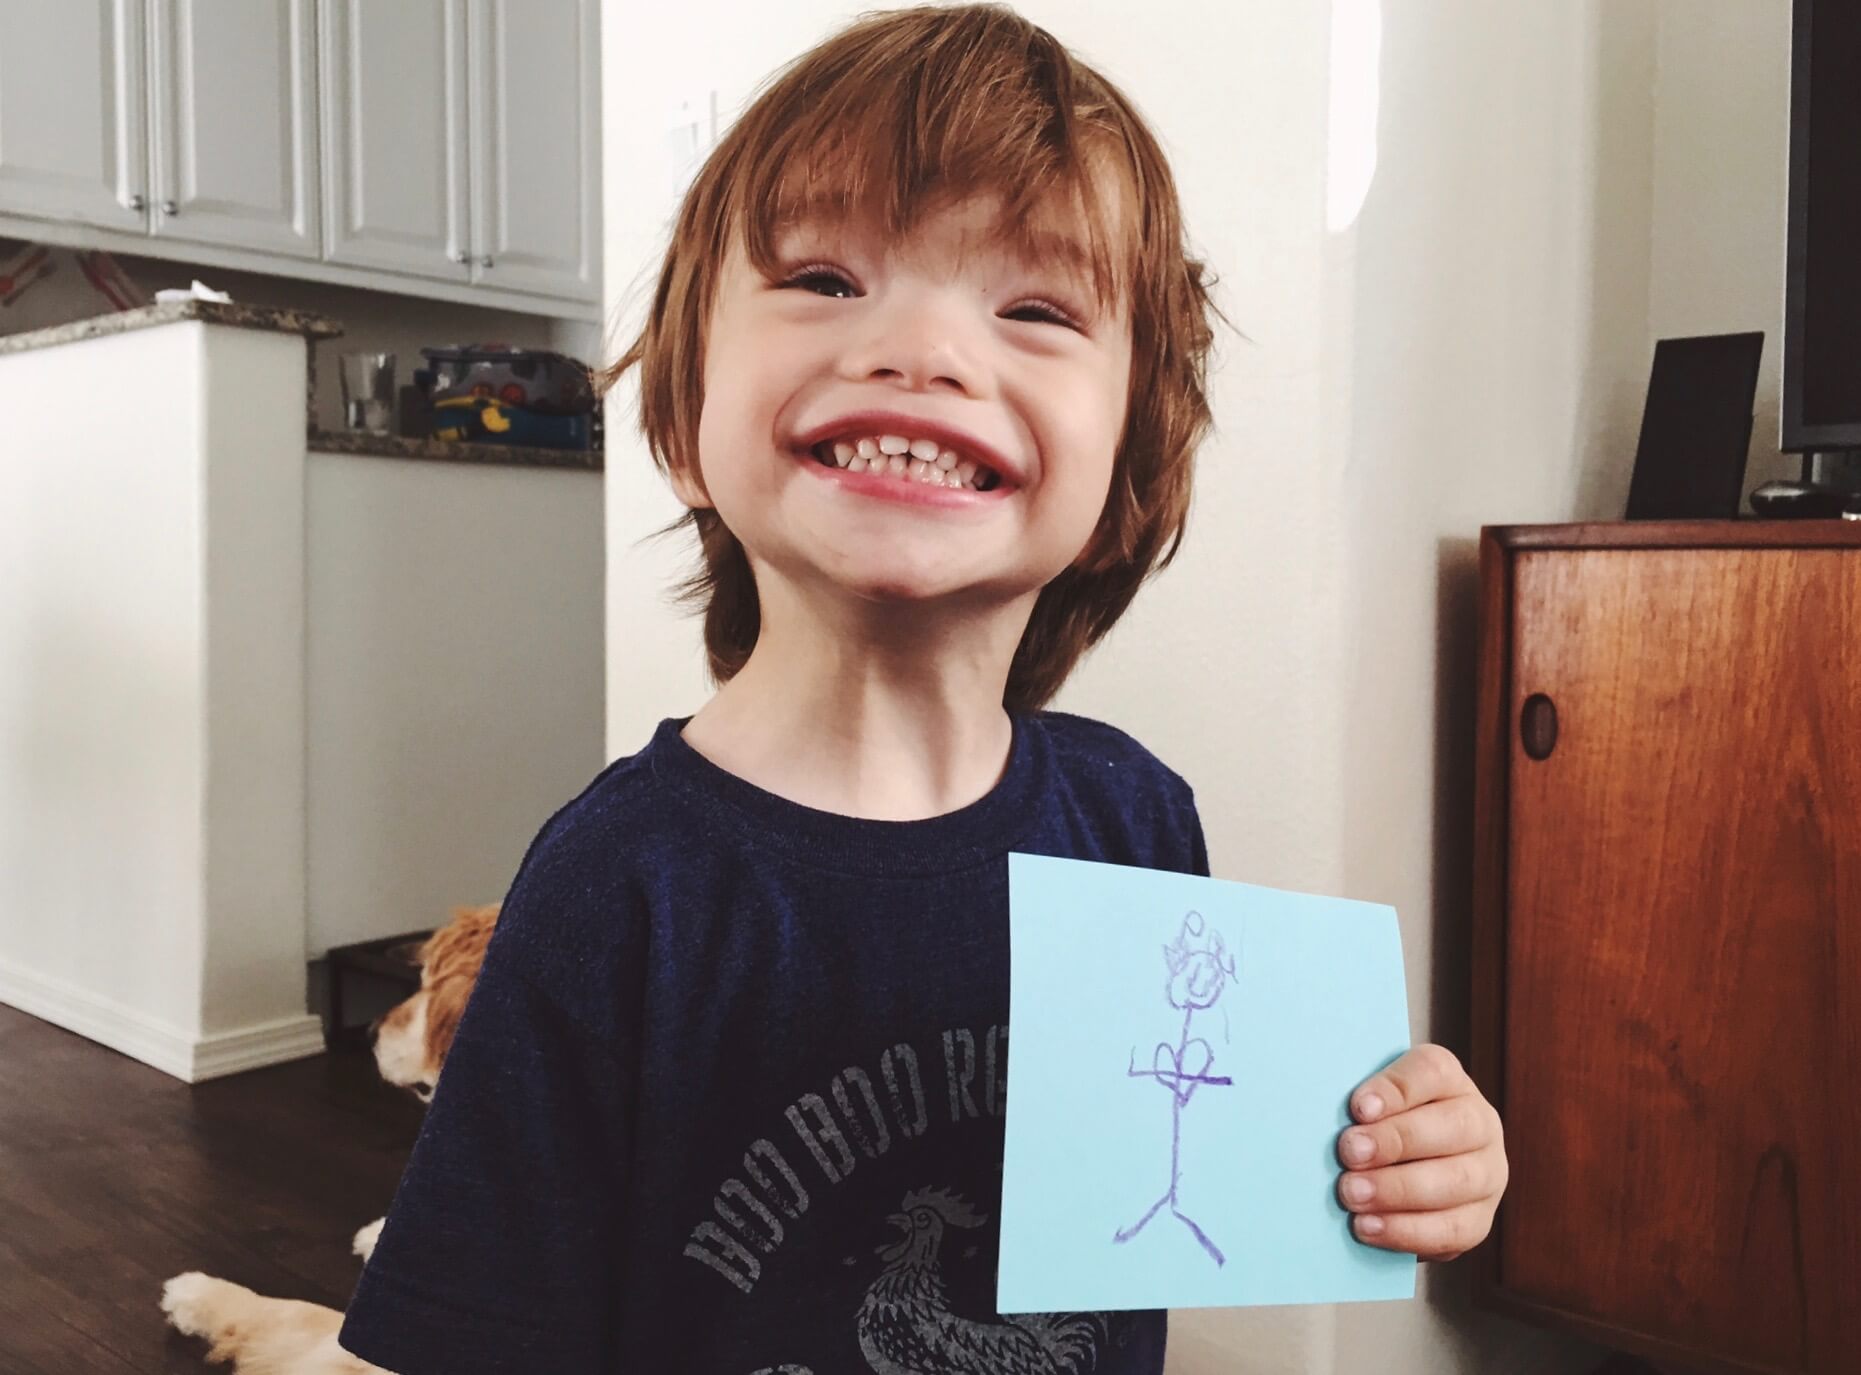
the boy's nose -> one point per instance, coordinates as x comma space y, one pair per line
920, 379
920, 350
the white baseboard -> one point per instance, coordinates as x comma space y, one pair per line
188, 1056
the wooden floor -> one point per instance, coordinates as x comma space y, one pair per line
113, 1177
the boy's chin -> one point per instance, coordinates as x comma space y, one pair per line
901, 591
894, 579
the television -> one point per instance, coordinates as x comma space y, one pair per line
1821, 403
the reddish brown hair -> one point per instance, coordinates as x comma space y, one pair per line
889, 118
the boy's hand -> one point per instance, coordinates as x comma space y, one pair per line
1436, 1163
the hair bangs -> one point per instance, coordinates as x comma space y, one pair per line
892, 132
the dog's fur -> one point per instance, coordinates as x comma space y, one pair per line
265, 1336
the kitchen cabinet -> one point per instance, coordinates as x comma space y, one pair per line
233, 152
395, 175
1667, 936
536, 134
432, 147
462, 140
73, 111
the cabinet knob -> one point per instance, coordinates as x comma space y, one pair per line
460, 256
485, 261
170, 208
138, 202
1538, 726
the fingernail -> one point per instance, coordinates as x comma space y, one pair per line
1370, 1107
1359, 1147
1358, 1190
1370, 1226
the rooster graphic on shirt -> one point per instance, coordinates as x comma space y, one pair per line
906, 1326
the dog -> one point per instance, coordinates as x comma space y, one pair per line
267, 1336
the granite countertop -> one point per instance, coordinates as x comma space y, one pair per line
170, 312
312, 327
451, 450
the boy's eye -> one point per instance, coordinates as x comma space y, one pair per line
815, 278
831, 281
1044, 312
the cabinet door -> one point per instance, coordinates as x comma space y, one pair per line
536, 134
234, 116
395, 133
73, 141
1683, 950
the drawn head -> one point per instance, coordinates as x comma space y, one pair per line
1199, 964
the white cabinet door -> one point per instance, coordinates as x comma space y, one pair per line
73, 144
536, 145
234, 123
394, 137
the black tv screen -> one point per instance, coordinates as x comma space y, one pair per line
1822, 293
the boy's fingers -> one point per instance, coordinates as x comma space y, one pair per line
1423, 1185
1431, 1236
1448, 1126
1420, 1075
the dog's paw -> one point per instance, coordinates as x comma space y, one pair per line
189, 1302
366, 1238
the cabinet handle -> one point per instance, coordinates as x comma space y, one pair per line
138, 202
170, 208
461, 257
485, 261
1538, 726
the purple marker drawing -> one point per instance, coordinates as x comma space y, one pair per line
1200, 968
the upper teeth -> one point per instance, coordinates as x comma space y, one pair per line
921, 460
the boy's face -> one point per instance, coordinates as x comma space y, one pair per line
949, 340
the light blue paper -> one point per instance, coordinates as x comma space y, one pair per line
1300, 1002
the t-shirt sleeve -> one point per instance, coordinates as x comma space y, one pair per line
1192, 833
497, 1252
1198, 843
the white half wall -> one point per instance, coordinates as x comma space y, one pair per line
152, 707
456, 665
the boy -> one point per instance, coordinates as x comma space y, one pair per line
926, 364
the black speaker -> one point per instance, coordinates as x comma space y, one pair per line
1696, 428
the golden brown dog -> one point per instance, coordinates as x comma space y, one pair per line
266, 1336
411, 1041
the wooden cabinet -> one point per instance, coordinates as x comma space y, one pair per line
233, 152
73, 111
1667, 995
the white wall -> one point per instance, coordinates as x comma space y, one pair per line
455, 669
1492, 348
1721, 159
1556, 185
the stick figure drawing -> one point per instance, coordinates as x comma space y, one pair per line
1199, 969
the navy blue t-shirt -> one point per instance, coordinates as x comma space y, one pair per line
728, 1094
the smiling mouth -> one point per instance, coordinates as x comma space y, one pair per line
907, 460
